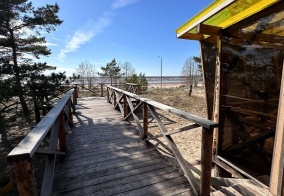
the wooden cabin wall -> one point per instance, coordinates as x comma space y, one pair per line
250, 95
208, 56
277, 170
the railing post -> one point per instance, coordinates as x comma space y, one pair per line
62, 133
139, 90
70, 111
75, 94
25, 177
206, 161
108, 94
114, 98
125, 106
145, 121
102, 90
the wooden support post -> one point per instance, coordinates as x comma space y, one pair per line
217, 97
145, 121
125, 107
77, 90
62, 133
108, 94
25, 177
73, 105
102, 90
46, 188
70, 115
206, 161
139, 90
277, 168
75, 95
114, 98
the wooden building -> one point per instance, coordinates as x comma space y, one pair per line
242, 50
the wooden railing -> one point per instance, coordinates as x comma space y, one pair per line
53, 125
133, 88
123, 101
101, 88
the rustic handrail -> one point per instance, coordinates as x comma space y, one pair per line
133, 88
123, 101
100, 88
55, 123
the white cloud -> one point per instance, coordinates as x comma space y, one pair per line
122, 3
47, 44
92, 29
84, 35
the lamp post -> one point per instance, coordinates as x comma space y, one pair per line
161, 71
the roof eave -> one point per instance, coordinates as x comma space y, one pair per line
202, 16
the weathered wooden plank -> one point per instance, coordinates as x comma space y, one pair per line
41, 151
185, 168
120, 97
27, 147
103, 165
231, 191
86, 159
135, 109
104, 151
108, 182
206, 161
227, 168
146, 186
152, 190
218, 193
207, 29
140, 128
104, 176
88, 179
62, 133
25, 179
261, 136
253, 113
186, 128
241, 188
174, 189
277, 168
46, 188
145, 121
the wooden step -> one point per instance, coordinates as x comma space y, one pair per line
243, 188
220, 183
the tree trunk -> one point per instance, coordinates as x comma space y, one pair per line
190, 90
19, 88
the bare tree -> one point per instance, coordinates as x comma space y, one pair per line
190, 70
87, 72
127, 69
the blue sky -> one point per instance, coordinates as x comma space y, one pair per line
137, 31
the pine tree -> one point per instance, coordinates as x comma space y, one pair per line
138, 79
20, 42
111, 70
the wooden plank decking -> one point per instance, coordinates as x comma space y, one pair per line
107, 157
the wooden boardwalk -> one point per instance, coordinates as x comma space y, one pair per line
107, 157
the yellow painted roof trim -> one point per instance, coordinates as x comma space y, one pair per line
216, 7
209, 11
